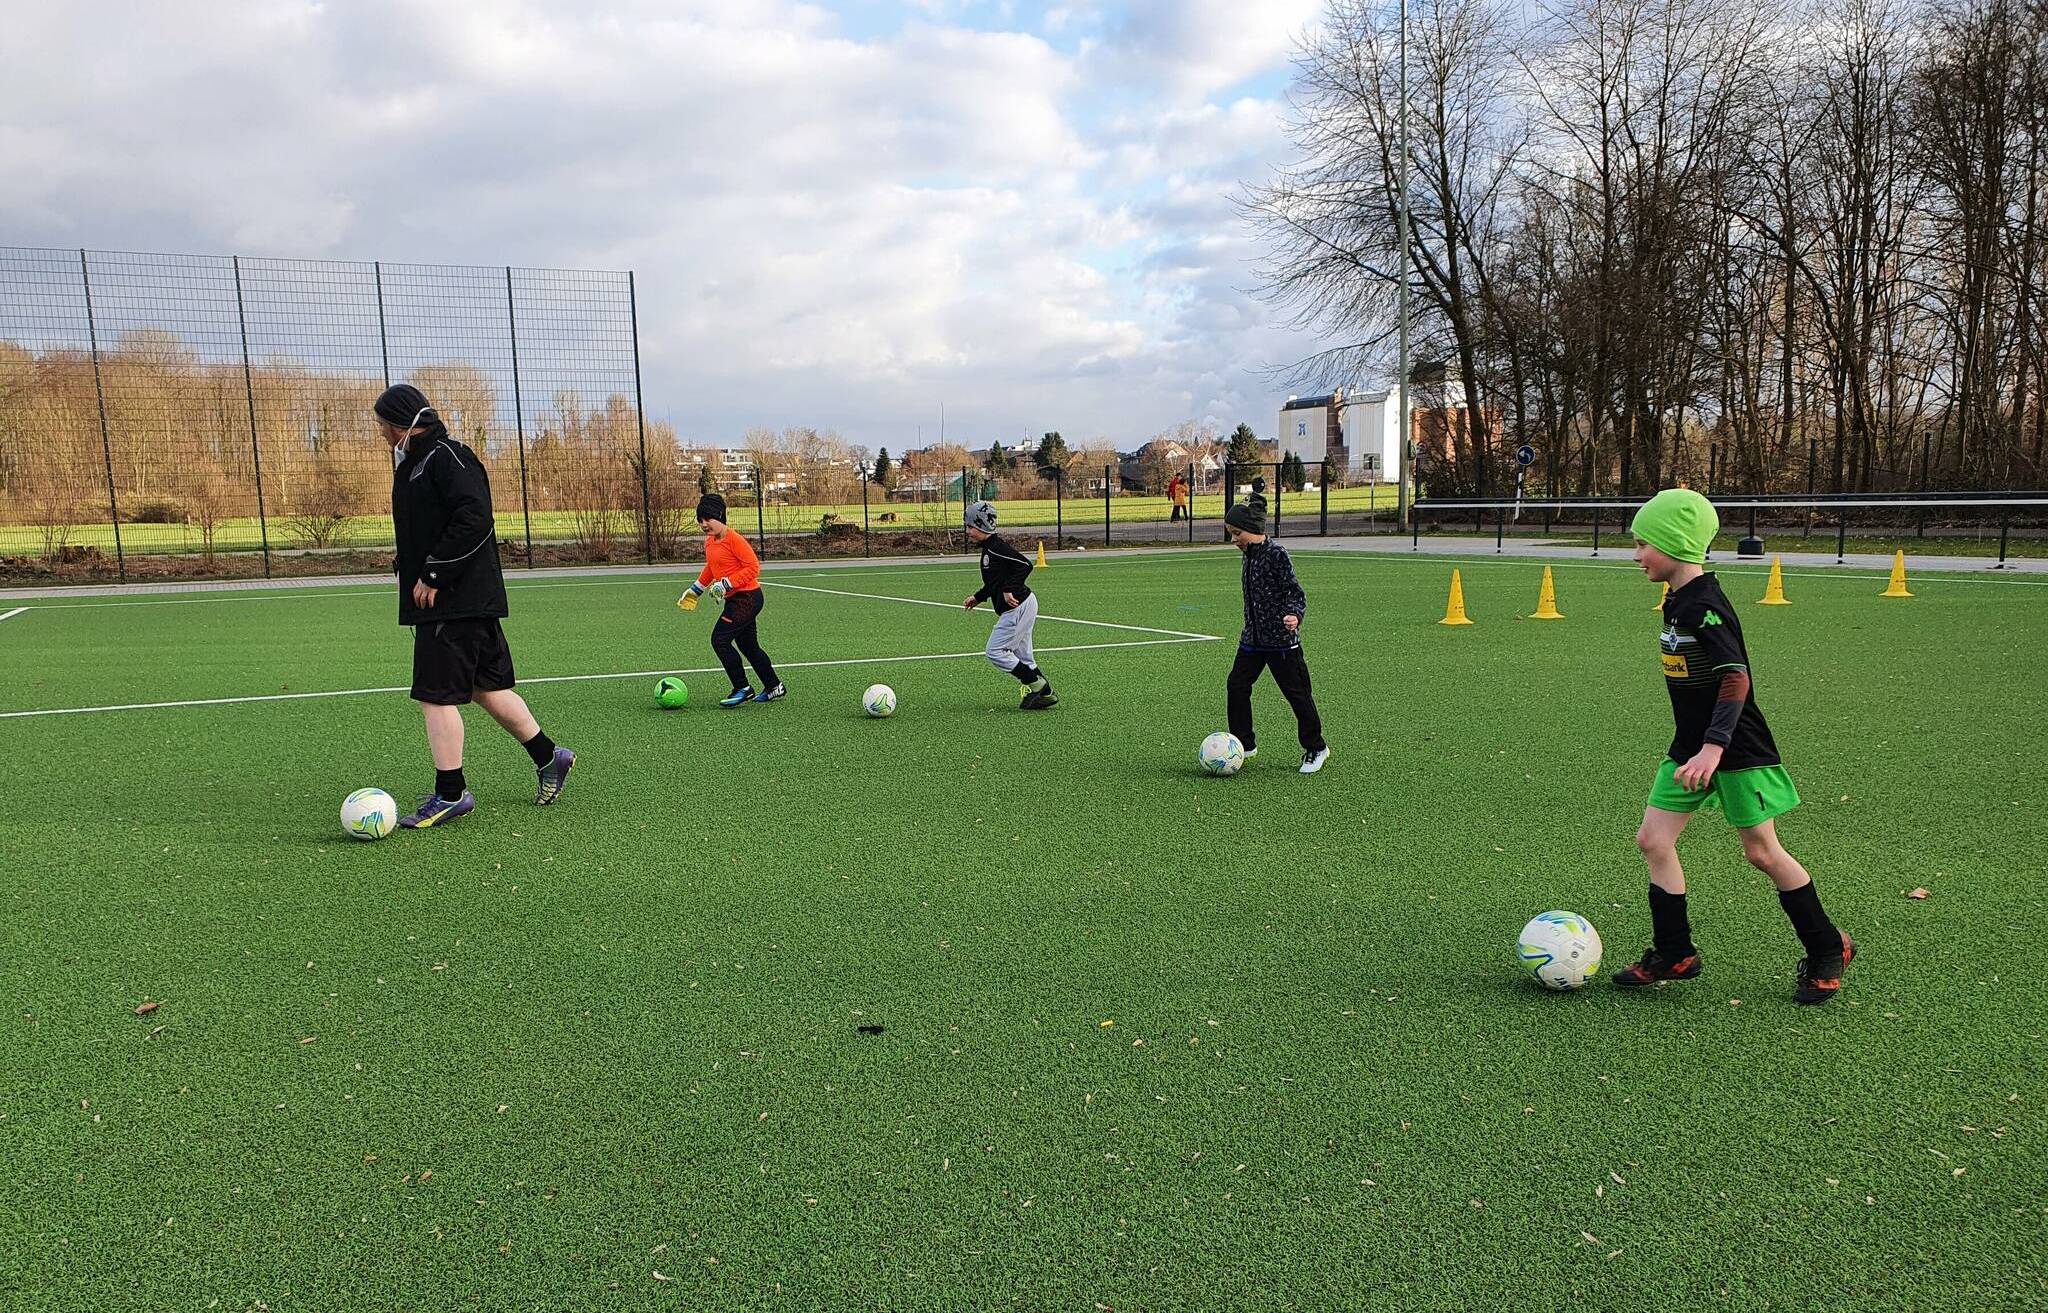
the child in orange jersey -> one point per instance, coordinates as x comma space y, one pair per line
732, 572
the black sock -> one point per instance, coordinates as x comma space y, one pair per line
1669, 926
1810, 921
449, 784
1025, 672
540, 747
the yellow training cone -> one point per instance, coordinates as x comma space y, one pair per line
1774, 591
1041, 554
1546, 601
1663, 592
1454, 614
1898, 584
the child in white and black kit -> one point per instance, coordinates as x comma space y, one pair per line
1003, 571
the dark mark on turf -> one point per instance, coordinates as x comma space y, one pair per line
870, 1030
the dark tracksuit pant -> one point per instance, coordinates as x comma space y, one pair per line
736, 628
1290, 672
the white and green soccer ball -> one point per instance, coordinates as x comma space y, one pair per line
1221, 754
369, 814
1560, 949
879, 701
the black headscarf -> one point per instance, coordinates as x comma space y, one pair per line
407, 407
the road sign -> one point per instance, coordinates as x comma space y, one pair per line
1525, 455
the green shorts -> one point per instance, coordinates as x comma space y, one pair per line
1745, 797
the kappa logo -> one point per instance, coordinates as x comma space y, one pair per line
1712, 618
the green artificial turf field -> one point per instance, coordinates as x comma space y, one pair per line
611, 1055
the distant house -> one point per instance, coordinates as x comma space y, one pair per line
1160, 459
1361, 431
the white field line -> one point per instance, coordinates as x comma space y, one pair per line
577, 679
955, 606
15, 612
677, 578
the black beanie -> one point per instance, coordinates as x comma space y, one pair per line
404, 405
1248, 518
710, 506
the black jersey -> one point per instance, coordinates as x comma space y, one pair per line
1003, 570
1701, 647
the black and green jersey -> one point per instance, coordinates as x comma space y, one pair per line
1705, 666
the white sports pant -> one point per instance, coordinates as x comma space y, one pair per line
1009, 644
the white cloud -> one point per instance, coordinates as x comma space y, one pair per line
826, 228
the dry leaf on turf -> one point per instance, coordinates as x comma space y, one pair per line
1918, 895
147, 1008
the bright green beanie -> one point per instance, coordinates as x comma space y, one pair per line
1679, 523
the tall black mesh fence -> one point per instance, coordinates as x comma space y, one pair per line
218, 406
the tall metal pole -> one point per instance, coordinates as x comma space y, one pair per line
1406, 449
249, 388
640, 415
518, 415
99, 388
383, 338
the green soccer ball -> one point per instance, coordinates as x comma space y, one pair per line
671, 692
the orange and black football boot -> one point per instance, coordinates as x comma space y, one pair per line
1821, 979
1656, 965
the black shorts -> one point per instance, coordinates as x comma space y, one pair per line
452, 659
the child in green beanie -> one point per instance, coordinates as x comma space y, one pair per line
1722, 756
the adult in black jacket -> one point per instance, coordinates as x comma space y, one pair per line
451, 591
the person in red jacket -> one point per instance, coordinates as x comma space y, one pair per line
733, 572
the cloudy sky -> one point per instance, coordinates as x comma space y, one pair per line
840, 214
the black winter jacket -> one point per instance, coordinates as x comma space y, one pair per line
1003, 570
441, 509
1271, 593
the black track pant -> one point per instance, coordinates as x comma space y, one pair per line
736, 629
1290, 672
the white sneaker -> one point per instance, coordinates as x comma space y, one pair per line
1249, 753
1311, 762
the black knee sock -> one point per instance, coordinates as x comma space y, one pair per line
540, 747
1025, 672
1810, 921
1669, 926
448, 784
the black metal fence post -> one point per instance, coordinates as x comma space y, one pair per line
1323, 480
106, 442
640, 417
1279, 487
383, 338
249, 389
1841, 535
1596, 531
1500, 530
1059, 505
760, 506
867, 546
2004, 531
518, 404
1108, 472
1191, 502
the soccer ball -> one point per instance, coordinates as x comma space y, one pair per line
1560, 949
879, 701
1221, 754
368, 814
671, 692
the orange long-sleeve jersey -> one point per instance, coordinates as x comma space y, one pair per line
731, 557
